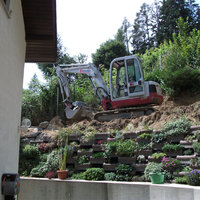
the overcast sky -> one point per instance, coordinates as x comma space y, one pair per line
85, 24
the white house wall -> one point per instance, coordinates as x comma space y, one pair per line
12, 56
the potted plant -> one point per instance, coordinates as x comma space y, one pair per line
62, 139
154, 172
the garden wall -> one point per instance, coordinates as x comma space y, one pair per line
35, 188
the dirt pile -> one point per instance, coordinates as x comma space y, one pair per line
171, 109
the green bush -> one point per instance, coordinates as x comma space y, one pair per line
94, 174
178, 127
181, 180
98, 155
53, 161
110, 176
83, 159
123, 169
79, 176
193, 178
126, 147
122, 177
171, 147
158, 138
158, 155
152, 168
196, 147
40, 170
30, 151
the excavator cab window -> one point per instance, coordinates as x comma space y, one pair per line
126, 78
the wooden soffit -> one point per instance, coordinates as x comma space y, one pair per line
41, 30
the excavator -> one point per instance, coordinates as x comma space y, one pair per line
126, 95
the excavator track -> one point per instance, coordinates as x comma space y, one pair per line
123, 113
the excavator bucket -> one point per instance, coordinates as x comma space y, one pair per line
78, 113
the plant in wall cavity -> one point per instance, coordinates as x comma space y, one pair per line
88, 134
196, 147
195, 162
158, 155
94, 174
170, 164
110, 176
98, 155
126, 147
193, 178
172, 147
123, 172
178, 127
141, 159
83, 159
158, 138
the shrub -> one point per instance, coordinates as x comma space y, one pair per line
178, 127
94, 174
158, 155
158, 138
30, 151
152, 168
145, 136
123, 169
126, 147
181, 180
172, 147
79, 176
196, 147
122, 177
110, 176
193, 178
109, 149
40, 170
98, 155
170, 164
53, 161
83, 159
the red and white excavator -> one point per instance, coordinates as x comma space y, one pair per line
128, 94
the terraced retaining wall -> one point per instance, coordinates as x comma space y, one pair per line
43, 189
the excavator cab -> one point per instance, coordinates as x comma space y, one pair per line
126, 78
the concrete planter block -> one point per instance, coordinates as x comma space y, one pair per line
82, 167
97, 160
86, 143
143, 152
127, 160
96, 147
139, 167
157, 146
82, 153
101, 136
72, 138
109, 167
175, 138
131, 135
150, 159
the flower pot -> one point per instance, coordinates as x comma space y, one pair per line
157, 178
62, 174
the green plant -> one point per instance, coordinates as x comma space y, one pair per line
188, 152
83, 159
158, 155
30, 151
158, 138
171, 147
181, 180
186, 169
98, 155
94, 174
178, 127
109, 149
152, 168
89, 134
62, 140
123, 169
141, 159
145, 136
193, 178
170, 164
79, 176
110, 176
143, 146
195, 161
196, 147
126, 147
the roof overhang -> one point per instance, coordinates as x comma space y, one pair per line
41, 30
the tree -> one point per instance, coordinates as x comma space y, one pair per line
123, 34
142, 30
81, 58
62, 58
107, 52
170, 11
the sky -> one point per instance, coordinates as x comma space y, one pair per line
84, 25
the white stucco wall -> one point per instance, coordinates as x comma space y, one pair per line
12, 56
